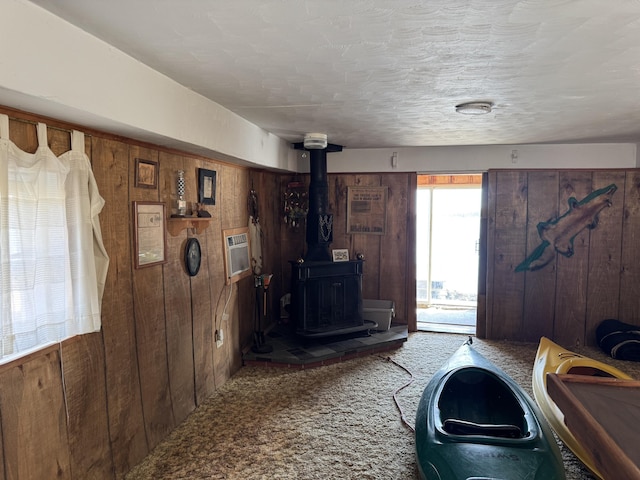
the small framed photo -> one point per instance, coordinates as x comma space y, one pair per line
146, 173
340, 255
149, 234
206, 186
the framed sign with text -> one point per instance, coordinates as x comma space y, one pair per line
367, 210
149, 234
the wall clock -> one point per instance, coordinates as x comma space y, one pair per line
192, 256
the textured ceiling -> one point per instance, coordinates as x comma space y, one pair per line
387, 73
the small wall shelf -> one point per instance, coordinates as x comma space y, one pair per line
176, 224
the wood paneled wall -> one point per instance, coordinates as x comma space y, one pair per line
95, 406
567, 299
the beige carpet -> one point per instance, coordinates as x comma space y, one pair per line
337, 422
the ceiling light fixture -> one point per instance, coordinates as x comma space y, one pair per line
315, 141
474, 108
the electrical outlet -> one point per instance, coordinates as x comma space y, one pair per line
225, 316
219, 338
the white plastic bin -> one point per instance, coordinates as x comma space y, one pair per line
379, 311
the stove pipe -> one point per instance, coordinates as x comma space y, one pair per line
319, 221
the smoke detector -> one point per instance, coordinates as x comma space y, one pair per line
315, 141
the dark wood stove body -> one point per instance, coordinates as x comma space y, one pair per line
327, 298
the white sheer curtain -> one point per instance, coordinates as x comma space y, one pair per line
88, 257
49, 277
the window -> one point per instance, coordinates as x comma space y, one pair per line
52, 260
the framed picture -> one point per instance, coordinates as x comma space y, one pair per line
146, 173
340, 255
367, 210
149, 233
206, 186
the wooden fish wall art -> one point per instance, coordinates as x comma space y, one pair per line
557, 235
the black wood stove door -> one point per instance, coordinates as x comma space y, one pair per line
326, 296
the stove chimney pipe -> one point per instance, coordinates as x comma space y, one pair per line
319, 221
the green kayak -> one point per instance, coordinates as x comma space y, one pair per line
475, 422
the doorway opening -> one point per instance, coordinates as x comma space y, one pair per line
447, 252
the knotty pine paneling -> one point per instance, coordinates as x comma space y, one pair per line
572, 273
394, 248
569, 297
605, 255
508, 218
150, 327
209, 362
83, 369
411, 257
59, 141
540, 286
270, 206
177, 297
36, 444
485, 305
481, 311
630, 268
24, 135
110, 163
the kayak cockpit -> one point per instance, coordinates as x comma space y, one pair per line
474, 401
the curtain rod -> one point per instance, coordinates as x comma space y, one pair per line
53, 127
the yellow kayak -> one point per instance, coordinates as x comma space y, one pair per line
552, 358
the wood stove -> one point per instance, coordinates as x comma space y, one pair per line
326, 296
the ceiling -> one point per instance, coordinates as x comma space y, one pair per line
389, 73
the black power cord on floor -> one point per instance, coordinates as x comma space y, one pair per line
395, 394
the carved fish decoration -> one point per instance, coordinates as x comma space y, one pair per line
561, 232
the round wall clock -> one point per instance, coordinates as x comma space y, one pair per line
192, 256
